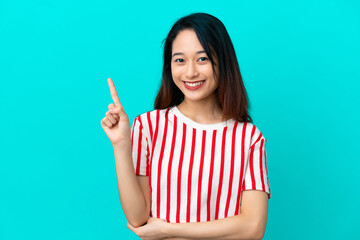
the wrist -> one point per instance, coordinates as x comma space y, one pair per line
170, 230
123, 145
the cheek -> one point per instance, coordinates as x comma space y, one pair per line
175, 72
207, 70
213, 77
209, 73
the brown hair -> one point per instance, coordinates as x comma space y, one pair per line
215, 40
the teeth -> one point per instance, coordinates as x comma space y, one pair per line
194, 84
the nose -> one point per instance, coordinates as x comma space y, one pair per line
191, 70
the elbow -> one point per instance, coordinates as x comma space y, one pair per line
136, 223
255, 232
138, 220
258, 236
258, 232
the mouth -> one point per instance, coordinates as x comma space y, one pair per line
194, 85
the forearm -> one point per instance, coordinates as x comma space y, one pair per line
131, 197
235, 227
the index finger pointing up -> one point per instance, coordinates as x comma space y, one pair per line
113, 93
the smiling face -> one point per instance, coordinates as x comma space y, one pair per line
191, 68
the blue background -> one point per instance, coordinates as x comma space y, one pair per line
300, 64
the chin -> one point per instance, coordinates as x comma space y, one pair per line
194, 98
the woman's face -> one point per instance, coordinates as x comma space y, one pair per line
190, 66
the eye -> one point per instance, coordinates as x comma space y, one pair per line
176, 60
203, 58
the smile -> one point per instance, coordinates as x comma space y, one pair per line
193, 85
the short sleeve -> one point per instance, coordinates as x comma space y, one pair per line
256, 174
140, 148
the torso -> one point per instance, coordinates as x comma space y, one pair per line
195, 169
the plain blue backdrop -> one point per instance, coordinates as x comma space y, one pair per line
300, 64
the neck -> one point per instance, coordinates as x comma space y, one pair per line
206, 111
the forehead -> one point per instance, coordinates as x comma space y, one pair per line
186, 41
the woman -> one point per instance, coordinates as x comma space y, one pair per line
188, 163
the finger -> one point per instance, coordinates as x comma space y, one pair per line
118, 110
110, 117
116, 116
105, 123
113, 93
108, 123
110, 107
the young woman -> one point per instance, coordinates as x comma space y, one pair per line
196, 164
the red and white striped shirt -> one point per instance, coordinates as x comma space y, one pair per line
194, 169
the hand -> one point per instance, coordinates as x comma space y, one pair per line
116, 122
154, 229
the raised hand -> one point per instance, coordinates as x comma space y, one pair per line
116, 122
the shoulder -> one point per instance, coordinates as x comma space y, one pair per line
148, 120
251, 132
256, 135
151, 116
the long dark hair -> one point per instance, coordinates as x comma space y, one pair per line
215, 40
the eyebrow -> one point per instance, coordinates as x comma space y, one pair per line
180, 53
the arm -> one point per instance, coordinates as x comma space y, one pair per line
132, 198
249, 224
117, 127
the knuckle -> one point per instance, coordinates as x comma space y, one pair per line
108, 114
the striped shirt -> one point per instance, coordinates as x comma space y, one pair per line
197, 171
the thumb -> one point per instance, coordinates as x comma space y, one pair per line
117, 110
